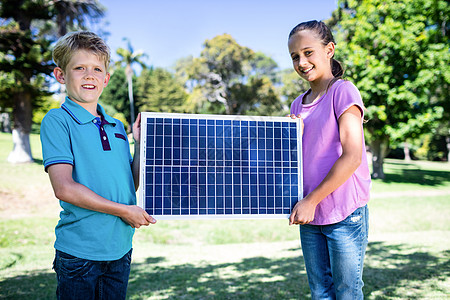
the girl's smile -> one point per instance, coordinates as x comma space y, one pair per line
307, 70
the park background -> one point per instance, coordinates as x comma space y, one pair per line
231, 58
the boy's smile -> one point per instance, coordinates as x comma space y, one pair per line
85, 77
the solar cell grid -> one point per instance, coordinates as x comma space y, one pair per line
211, 166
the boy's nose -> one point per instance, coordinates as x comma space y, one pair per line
89, 74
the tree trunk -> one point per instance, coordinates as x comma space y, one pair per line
447, 139
379, 149
406, 151
130, 95
22, 115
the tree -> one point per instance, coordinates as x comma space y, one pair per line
73, 15
292, 85
230, 77
262, 65
25, 60
397, 54
159, 91
129, 57
24, 63
115, 96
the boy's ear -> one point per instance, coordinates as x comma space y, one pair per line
59, 75
107, 77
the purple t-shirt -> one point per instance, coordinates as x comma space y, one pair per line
322, 147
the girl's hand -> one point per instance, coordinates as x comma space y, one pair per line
303, 212
292, 116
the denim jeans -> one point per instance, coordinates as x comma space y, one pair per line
86, 279
334, 256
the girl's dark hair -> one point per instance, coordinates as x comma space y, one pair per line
324, 34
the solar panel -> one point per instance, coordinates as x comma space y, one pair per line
216, 166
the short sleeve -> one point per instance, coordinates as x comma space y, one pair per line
296, 105
346, 95
55, 139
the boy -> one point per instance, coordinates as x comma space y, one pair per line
87, 156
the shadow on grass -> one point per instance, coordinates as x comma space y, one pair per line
387, 268
418, 176
39, 284
264, 278
252, 278
392, 269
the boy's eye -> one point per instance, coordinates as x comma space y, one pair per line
78, 68
308, 53
294, 57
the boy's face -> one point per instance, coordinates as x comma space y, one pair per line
85, 77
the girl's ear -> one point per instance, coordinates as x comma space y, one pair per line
59, 75
330, 50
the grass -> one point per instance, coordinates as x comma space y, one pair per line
408, 256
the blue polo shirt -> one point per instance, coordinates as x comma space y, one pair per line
99, 152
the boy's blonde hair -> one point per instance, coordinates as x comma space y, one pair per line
80, 40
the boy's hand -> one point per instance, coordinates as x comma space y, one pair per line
137, 129
137, 217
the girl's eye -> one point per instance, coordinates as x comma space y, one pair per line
98, 69
78, 68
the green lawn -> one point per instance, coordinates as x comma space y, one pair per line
407, 258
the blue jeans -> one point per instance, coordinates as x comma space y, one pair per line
334, 256
86, 279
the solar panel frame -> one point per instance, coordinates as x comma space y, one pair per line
198, 166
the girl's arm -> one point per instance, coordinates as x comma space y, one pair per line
350, 132
67, 190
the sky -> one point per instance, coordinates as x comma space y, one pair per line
168, 30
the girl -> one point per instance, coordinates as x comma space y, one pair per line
333, 215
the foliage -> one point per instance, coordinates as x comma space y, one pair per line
432, 146
128, 58
292, 85
233, 79
160, 91
262, 65
397, 54
74, 15
47, 104
25, 58
115, 96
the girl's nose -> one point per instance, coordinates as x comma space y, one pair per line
302, 61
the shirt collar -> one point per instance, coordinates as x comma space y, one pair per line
81, 115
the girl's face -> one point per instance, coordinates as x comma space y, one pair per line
311, 59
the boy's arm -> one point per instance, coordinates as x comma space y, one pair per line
67, 190
137, 151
